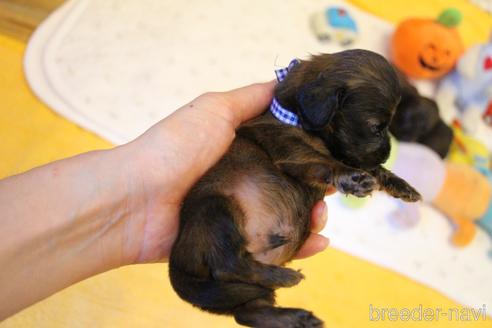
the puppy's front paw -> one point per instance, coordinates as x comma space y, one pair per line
399, 188
395, 186
355, 182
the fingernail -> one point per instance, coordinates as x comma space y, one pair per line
325, 243
324, 214
321, 215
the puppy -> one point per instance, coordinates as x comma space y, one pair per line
417, 119
250, 213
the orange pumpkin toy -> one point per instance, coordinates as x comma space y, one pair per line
426, 48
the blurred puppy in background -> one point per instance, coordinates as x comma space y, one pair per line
417, 119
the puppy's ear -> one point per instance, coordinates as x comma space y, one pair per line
317, 105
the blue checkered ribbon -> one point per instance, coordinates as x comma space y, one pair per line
282, 114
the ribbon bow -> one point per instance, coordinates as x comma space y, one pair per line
282, 114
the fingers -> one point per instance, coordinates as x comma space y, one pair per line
248, 102
314, 244
319, 215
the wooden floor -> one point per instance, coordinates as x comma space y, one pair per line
19, 18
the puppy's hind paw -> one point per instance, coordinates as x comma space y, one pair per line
273, 317
298, 318
355, 182
295, 277
286, 277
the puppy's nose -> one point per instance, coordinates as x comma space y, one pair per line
381, 156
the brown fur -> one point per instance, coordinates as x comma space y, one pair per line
250, 213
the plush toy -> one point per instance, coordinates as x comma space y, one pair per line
410, 158
466, 94
470, 151
427, 48
334, 24
465, 197
485, 221
459, 191
467, 150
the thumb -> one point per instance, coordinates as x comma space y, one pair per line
248, 102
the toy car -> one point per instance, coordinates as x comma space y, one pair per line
334, 24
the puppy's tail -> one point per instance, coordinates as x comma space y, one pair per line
216, 296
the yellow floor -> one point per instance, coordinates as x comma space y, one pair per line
339, 288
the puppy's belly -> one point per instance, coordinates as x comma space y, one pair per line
273, 227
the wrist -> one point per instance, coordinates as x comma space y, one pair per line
152, 204
63, 222
120, 205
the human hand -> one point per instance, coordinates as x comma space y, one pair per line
172, 155
74, 218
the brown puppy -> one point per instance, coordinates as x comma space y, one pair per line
250, 213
